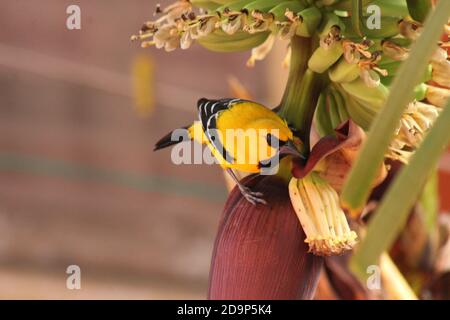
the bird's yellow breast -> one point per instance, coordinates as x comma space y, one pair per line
242, 130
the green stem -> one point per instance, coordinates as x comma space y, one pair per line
302, 90
357, 16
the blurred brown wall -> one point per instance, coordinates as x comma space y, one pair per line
79, 183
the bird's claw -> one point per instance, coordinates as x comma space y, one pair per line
253, 197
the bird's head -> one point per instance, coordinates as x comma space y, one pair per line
278, 136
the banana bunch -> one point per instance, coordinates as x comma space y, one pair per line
184, 21
317, 207
330, 49
219, 41
358, 62
330, 112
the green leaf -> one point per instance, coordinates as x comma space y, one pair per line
391, 215
429, 202
357, 16
358, 185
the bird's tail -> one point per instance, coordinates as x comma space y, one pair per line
173, 137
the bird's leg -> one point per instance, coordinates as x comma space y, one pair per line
251, 196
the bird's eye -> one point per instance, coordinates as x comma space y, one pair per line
272, 140
269, 139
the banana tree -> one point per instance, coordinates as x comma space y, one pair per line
372, 78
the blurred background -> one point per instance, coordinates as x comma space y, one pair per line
80, 111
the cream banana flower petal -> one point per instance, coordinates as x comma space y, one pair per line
414, 125
324, 223
260, 52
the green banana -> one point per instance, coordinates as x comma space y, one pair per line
392, 8
428, 75
346, 5
362, 116
279, 11
233, 6
310, 19
387, 81
261, 5
333, 111
392, 68
360, 113
224, 2
418, 9
329, 21
420, 92
340, 105
220, 41
205, 4
330, 111
402, 42
397, 8
389, 28
322, 59
322, 121
344, 72
372, 97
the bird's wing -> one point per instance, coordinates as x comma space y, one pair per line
208, 112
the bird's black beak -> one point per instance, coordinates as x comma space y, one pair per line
289, 148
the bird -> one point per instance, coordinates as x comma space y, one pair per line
216, 118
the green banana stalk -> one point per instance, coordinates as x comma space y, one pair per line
220, 41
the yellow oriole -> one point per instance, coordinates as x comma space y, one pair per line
241, 134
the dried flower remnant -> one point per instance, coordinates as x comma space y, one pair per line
233, 21
369, 70
353, 52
